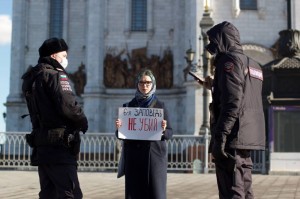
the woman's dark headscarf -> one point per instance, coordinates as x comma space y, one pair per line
144, 100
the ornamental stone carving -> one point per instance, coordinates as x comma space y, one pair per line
121, 69
79, 79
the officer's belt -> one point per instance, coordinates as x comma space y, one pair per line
56, 136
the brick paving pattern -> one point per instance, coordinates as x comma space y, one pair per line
98, 185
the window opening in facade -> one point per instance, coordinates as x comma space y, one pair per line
56, 18
248, 4
139, 15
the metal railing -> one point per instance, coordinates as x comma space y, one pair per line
101, 151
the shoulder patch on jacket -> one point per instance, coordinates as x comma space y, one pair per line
64, 82
228, 66
63, 77
256, 73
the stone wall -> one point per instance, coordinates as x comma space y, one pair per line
93, 27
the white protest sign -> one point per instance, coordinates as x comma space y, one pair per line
140, 123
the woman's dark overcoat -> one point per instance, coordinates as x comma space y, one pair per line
146, 163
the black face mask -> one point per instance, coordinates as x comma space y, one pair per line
212, 48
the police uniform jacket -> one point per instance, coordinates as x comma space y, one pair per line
146, 163
54, 107
237, 109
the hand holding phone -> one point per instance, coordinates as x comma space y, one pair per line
207, 83
197, 77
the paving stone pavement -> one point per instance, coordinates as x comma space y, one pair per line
98, 185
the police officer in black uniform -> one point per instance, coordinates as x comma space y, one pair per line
56, 119
237, 118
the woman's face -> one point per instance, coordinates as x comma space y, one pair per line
145, 84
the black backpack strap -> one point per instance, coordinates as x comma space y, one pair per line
33, 108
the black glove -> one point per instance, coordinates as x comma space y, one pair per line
218, 150
84, 127
30, 140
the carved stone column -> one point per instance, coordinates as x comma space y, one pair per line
15, 104
193, 107
93, 105
205, 24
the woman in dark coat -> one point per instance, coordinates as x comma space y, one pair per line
146, 161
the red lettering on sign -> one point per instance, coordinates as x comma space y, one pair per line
148, 124
131, 124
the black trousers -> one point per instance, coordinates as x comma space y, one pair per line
59, 181
234, 177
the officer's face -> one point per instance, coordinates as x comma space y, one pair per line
145, 84
212, 48
60, 56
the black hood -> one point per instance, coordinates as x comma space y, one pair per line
224, 37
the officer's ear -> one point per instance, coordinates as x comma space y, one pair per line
53, 56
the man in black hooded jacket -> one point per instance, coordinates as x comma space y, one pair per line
237, 118
56, 119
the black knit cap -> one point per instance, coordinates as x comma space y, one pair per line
51, 46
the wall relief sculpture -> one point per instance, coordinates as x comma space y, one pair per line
79, 79
288, 44
121, 69
282, 75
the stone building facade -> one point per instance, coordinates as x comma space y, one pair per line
96, 29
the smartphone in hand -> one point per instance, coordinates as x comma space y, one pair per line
197, 77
